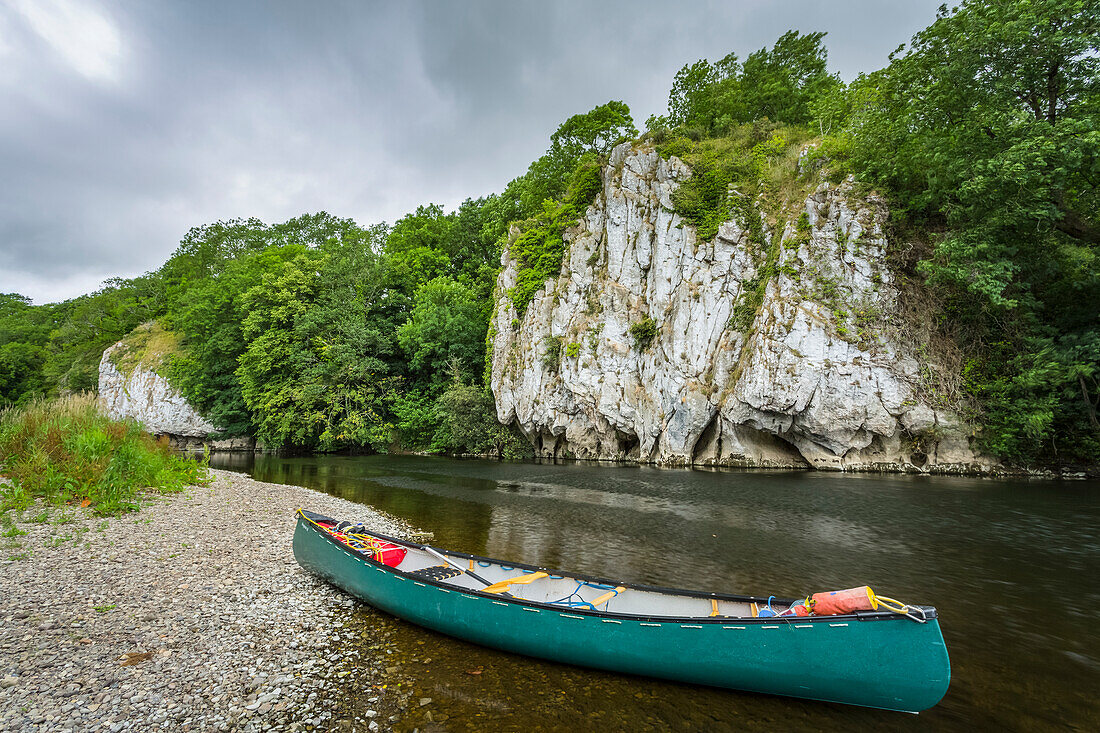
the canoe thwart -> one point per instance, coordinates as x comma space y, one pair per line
502, 585
604, 598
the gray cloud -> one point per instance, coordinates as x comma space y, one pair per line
124, 124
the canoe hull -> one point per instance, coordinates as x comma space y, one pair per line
894, 664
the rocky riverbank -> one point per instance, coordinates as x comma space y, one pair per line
190, 615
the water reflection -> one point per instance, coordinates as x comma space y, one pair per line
1011, 565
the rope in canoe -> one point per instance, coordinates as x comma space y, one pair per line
352, 536
574, 600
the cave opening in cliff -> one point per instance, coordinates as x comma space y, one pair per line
628, 444
706, 439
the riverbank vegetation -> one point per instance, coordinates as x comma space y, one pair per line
64, 452
984, 134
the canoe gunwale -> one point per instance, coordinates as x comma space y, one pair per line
312, 517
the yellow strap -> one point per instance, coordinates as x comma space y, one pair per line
604, 598
890, 604
502, 585
755, 609
471, 563
713, 607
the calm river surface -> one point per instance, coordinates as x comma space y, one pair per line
1012, 566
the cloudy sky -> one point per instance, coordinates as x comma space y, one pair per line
123, 124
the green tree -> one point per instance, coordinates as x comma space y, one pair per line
208, 277
24, 335
595, 131
591, 133
467, 423
445, 330
990, 122
701, 90
313, 375
209, 314
417, 420
205, 250
783, 83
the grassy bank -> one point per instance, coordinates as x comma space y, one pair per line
64, 451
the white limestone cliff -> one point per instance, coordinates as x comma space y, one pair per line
816, 375
137, 391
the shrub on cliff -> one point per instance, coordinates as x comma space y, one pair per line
644, 331
64, 451
539, 250
568, 178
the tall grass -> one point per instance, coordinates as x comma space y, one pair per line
63, 451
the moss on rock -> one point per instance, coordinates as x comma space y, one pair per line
150, 345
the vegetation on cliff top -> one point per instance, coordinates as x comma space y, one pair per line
580, 147
150, 345
984, 133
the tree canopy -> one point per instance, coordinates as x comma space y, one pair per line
781, 84
595, 131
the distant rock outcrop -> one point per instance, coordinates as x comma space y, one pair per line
131, 387
755, 359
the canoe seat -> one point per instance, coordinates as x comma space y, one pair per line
437, 572
502, 585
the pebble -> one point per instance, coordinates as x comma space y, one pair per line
200, 592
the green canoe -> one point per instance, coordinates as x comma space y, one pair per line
878, 659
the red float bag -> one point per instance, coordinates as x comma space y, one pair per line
386, 553
832, 603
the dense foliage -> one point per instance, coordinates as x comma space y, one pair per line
24, 331
986, 130
65, 451
984, 133
780, 84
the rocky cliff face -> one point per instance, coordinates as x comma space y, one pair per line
130, 387
763, 355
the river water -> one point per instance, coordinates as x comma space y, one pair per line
1013, 567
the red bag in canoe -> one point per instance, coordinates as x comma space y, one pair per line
386, 553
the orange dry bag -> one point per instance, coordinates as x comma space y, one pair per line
832, 603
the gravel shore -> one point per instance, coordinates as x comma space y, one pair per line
189, 615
